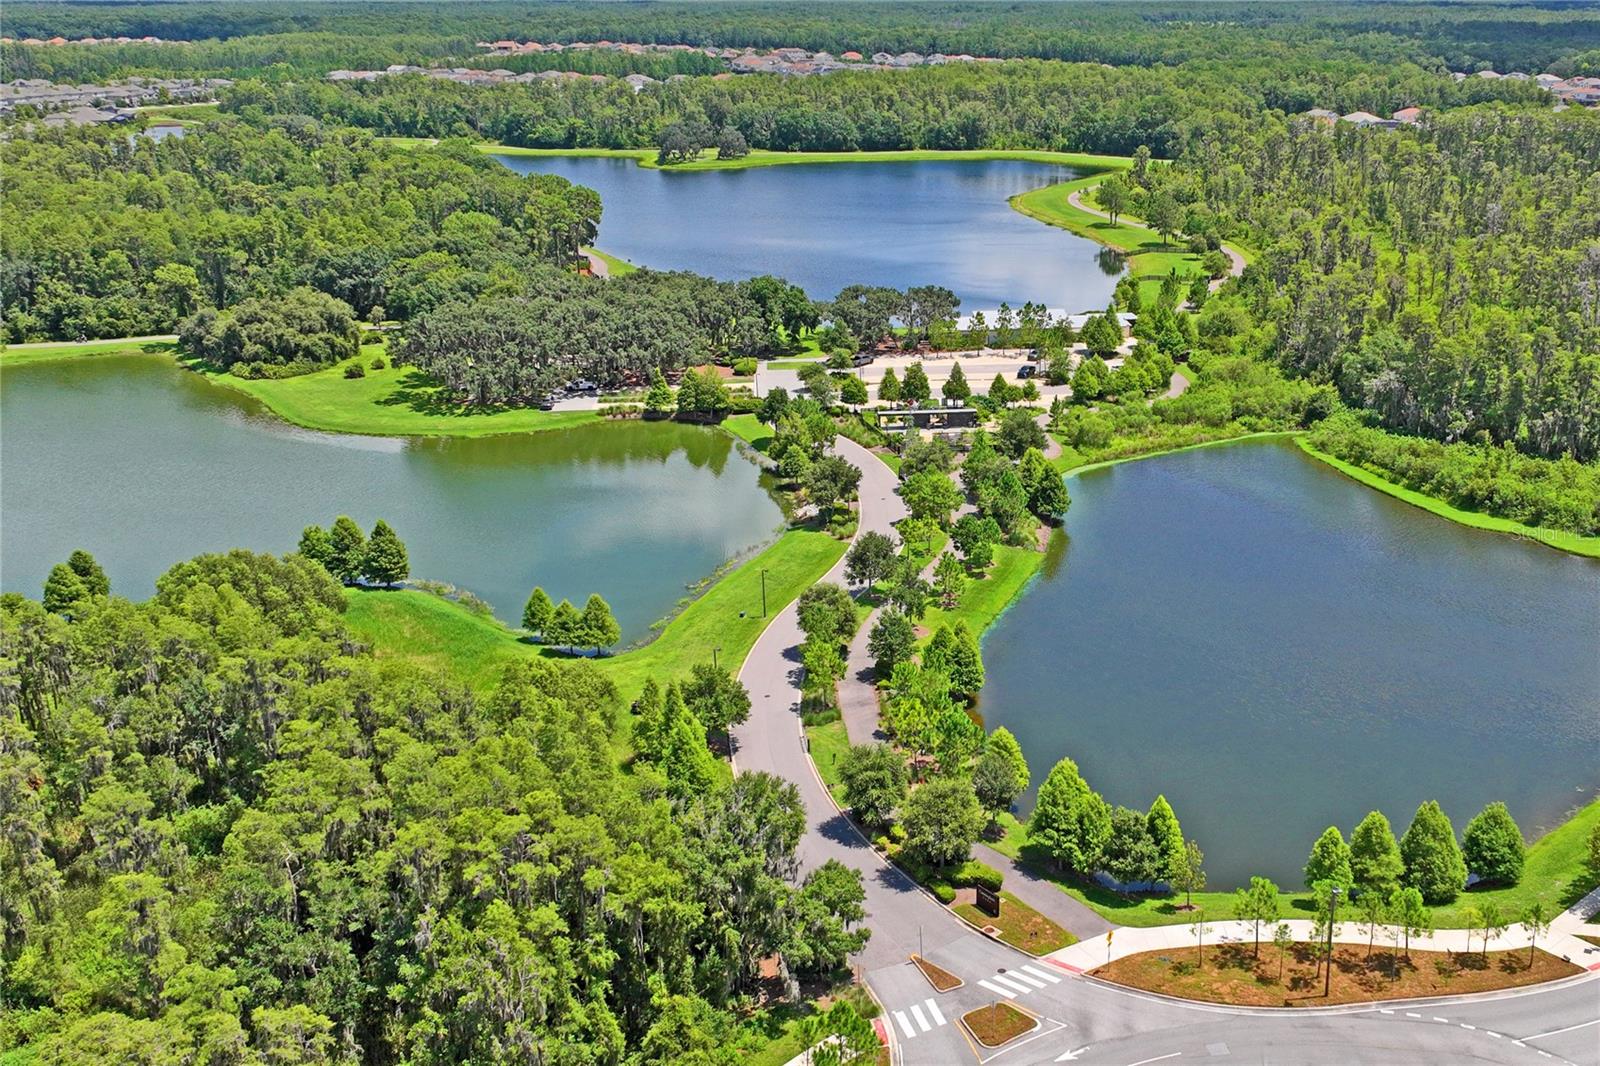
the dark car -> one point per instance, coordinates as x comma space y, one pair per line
1026, 370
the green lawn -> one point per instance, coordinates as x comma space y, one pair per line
50, 351
1021, 926
1552, 874
828, 745
395, 401
192, 112
1555, 538
435, 632
985, 600
749, 429
617, 267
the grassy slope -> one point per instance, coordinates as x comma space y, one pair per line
984, 601
646, 157
435, 632
749, 429
50, 351
617, 267
1571, 542
1551, 875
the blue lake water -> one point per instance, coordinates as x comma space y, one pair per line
1277, 649
825, 226
146, 464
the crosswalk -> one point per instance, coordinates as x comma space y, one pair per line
926, 1014
1019, 982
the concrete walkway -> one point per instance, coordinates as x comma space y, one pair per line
1559, 941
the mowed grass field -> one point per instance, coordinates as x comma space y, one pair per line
437, 633
51, 351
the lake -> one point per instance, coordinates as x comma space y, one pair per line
825, 226
146, 464
1278, 649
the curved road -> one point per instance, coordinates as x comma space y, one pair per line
1082, 1019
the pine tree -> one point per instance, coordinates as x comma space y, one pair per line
596, 627
384, 561
688, 766
94, 579
1047, 490
955, 386
349, 550
63, 590
537, 612
1168, 835
316, 545
658, 399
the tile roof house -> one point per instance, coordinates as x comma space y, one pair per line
1408, 114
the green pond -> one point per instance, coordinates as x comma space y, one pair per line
146, 464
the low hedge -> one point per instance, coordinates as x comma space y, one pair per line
974, 874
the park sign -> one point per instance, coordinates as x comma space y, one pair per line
989, 901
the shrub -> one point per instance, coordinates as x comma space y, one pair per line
378, 363
355, 370
744, 368
974, 874
943, 893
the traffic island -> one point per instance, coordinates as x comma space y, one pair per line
998, 1023
1232, 974
941, 979
1019, 925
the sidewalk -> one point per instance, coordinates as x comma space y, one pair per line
1559, 941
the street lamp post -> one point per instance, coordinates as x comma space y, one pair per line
714, 656
1333, 907
763, 592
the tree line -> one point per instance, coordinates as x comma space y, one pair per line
235, 834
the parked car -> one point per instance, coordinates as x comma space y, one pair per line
1026, 370
863, 359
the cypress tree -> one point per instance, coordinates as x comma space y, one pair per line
649, 731
1162, 822
349, 550
63, 590
966, 662
889, 387
94, 579
1070, 821
316, 545
955, 386
1434, 865
1375, 863
537, 611
1492, 845
384, 561
596, 627
565, 626
1330, 860
915, 387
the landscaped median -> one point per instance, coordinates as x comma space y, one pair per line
998, 1023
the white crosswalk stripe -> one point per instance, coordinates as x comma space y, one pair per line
1006, 992
1011, 982
1043, 975
923, 1024
1018, 975
905, 1024
922, 1019
938, 1015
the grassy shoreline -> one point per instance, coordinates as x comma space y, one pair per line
57, 351
1574, 543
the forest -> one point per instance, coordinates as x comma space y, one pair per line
234, 835
108, 235
316, 37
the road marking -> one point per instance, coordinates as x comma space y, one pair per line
905, 1024
938, 1015
1464, 1025
1439, 1019
1052, 978
1568, 1029
1012, 982
1519, 1043
1384, 1010
1006, 992
1069, 1056
1492, 1033
1158, 1058
1018, 975
1410, 1015
922, 1019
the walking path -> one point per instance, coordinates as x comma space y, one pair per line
1235, 258
1559, 941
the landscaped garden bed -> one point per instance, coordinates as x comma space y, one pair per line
941, 979
1231, 974
998, 1023
1019, 925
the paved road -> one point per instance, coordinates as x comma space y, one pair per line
1079, 1016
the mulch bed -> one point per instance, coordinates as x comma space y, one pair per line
997, 1024
941, 979
1231, 974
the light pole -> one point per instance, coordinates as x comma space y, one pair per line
714, 656
763, 592
1333, 907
